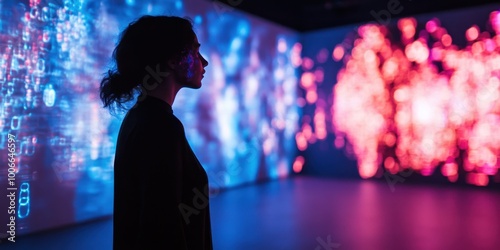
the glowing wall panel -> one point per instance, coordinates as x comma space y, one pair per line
408, 98
241, 123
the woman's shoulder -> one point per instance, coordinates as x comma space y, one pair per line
151, 115
151, 128
158, 120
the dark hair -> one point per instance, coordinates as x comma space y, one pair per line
146, 42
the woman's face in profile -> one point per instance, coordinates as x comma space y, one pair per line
190, 68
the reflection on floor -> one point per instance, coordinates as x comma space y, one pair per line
318, 213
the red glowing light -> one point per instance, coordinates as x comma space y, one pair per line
472, 33
319, 74
301, 141
446, 40
311, 96
307, 63
389, 163
495, 21
298, 164
338, 53
428, 117
307, 80
432, 25
295, 56
407, 27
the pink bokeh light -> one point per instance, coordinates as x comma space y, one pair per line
418, 104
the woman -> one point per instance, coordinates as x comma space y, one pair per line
160, 187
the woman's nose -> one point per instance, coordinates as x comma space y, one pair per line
205, 62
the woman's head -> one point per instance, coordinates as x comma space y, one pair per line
188, 69
142, 54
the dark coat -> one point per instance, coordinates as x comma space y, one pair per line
160, 188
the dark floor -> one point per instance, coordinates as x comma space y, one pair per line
321, 214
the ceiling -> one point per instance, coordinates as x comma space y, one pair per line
308, 15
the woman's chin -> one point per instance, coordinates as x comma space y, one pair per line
194, 85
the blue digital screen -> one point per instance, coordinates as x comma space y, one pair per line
57, 141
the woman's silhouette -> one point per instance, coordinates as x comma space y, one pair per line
160, 187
